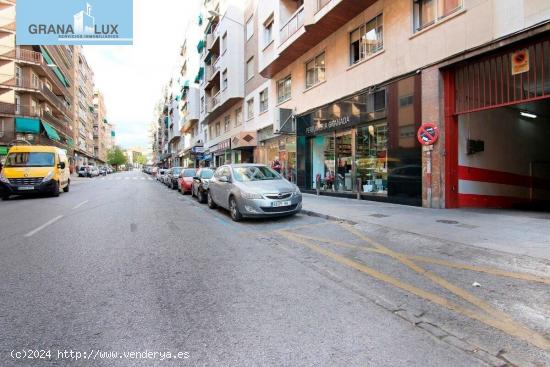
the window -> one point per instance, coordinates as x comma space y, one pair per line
224, 42
250, 68
428, 12
366, 40
35, 81
268, 31
211, 133
264, 101
250, 28
218, 129
227, 123
18, 76
315, 70
34, 107
2, 128
202, 104
238, 117
224, 79
284, 89
17, 104
250, 108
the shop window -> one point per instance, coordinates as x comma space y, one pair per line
264, 100
238, 117
428, 12
366, 40
284, 89
250, 109
315, 70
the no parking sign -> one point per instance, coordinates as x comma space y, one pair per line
427, 133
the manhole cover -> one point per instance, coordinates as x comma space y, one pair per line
446, 221
379, 215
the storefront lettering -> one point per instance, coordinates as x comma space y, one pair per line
328, 125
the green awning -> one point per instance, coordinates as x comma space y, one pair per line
91, 109
50, 131
200, 19
4, 150
166, 121
208, 57
113, 134
70, 142
27, 125
105, 121
186, 84
55, 69
200, 46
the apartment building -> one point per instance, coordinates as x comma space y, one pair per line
358, 79
102, 128
83, 110
221, 78
35, 90
192, 142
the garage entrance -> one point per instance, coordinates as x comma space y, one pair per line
498, 129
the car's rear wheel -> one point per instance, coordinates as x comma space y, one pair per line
210, 201
66, 188
234, 210
5, 197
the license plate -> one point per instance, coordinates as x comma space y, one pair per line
25, 188
277, 204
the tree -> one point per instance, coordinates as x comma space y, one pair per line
116, 157
141, 159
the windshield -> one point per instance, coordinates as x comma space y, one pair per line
189, 173
255, 173
26, 159
207, 174
176, 170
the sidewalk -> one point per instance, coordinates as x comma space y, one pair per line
516, 232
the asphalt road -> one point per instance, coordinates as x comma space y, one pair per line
123, 264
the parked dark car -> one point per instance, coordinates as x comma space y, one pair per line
200, 184
172, 177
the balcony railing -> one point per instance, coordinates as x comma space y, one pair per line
292, 25
20, 110
21, 82
60, 125
55, 100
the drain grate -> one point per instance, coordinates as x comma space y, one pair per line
379, 215
446, 221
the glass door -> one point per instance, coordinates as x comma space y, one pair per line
344, 161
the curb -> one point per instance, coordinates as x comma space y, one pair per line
327, 217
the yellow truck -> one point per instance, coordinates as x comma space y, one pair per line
34, 169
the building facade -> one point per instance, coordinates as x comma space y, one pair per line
334, 93
83, 110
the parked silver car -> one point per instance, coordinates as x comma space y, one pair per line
253, 190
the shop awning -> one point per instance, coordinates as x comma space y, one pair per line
4, 150
55, 69
27, 125
50, 131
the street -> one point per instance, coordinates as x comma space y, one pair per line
124, 264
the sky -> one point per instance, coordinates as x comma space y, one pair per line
132, 78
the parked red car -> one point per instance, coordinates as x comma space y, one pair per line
185, 180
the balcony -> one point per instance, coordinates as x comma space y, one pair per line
212, 76
59, 124
319, 23
20, 110
292, 25
7, 25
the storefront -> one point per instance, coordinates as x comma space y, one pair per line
364, 144
243, 145
278, 152
221, 153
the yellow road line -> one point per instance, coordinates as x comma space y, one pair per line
503, 322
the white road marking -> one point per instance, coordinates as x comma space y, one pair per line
79, 205
52, 221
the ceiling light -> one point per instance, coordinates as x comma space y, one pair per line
528, 114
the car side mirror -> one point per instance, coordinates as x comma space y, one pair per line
223, 179
61, 165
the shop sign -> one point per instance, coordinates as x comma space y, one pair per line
520, 61
197, 149
427, 133
321, 126
223, 145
